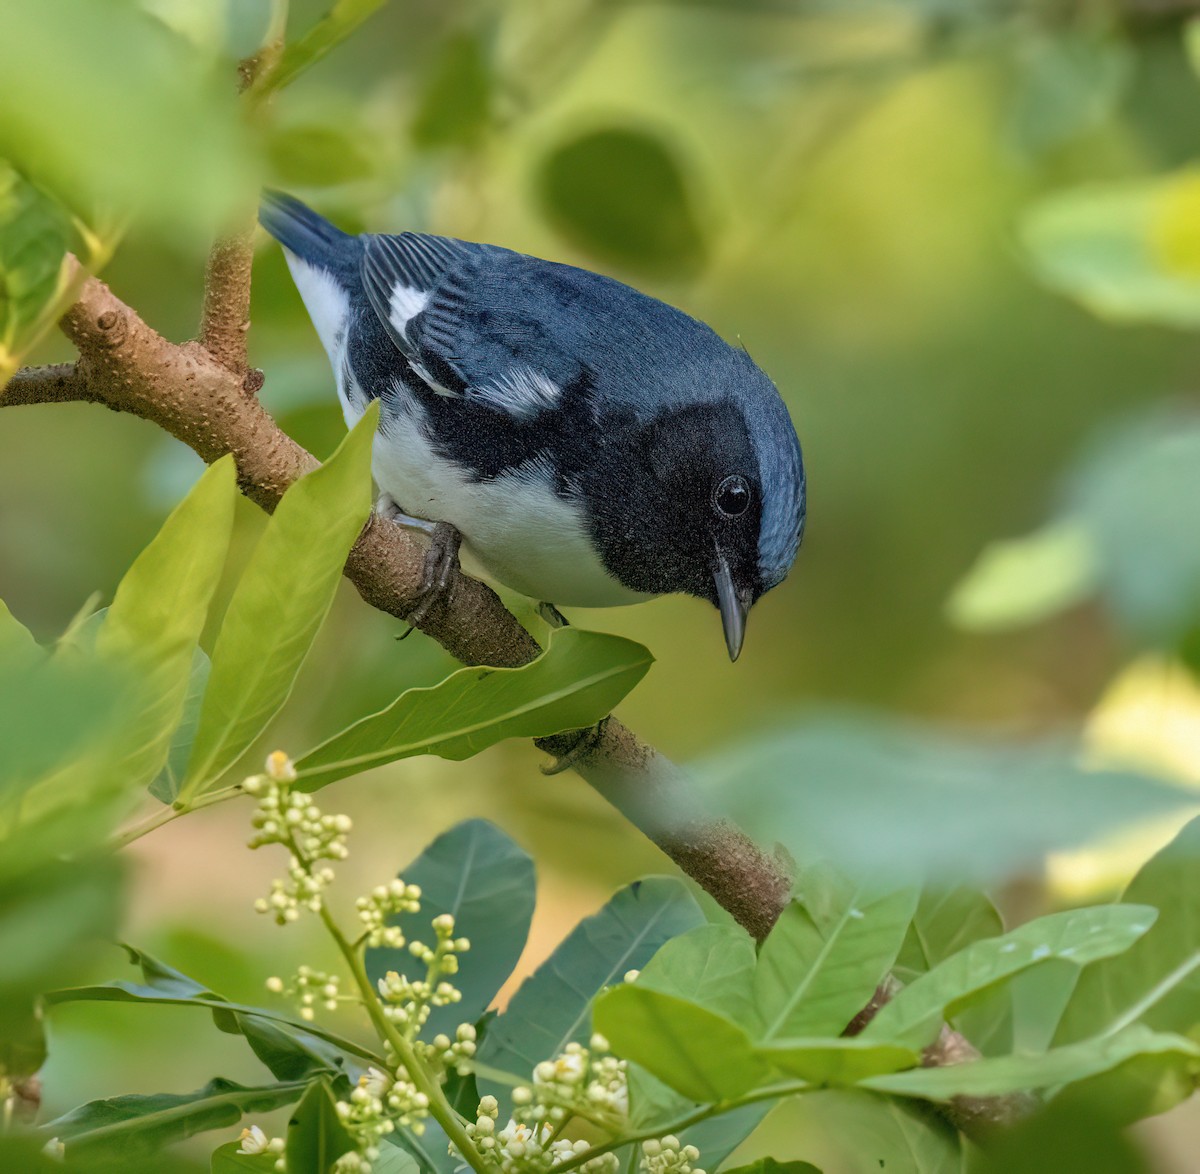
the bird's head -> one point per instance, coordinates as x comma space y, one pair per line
707, 496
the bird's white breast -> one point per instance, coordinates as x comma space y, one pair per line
519, 531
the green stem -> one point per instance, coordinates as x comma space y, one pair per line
439, 1107
165, 815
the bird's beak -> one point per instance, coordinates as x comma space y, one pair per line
734, 606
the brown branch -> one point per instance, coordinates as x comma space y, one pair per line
225, 317
205, 398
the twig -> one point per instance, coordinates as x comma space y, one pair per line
225, 318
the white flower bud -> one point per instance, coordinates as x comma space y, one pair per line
275, 985
280, 768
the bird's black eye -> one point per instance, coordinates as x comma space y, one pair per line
732, 497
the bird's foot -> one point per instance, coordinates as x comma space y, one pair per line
552, 616
441, 557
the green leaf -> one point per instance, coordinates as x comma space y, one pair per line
157, 615
486, 882
18, 648
227, 1160
883, 1135
811, 981
454, 108
162, 984
166, 786
711, 966
152, 130
1000, 1075
622, 195
946, 921
837, 1061
697, 1052
279, 605
319, 154
342, 19
949, 809
1160, 974
288, 1051
552, 1006
33, 243
1062, 1137
577, 681
131, 1126
316, 1137
1126, 250
1025, 580
771, 1166
1079, 936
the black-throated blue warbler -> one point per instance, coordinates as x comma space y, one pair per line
591, 445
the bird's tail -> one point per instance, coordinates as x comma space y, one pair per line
307, 234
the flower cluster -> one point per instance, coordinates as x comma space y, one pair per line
524, 1148
386, 901
309, 988
667, 1156
581, 1082
407, 1002
293, 820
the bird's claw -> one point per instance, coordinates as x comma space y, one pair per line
439, 570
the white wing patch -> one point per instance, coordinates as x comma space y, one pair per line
520, 391
405, 304
327, 303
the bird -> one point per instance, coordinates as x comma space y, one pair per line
589, 445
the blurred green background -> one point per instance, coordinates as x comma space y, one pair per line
837, 186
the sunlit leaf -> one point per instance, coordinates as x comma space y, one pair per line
572, 685
1001, 1075
157, 615
1024, 580
552, 1006
711, 966
837, 1061
485, 881
1079, 936
279, 605
697, 1052
170, 778
813, 978
621, 194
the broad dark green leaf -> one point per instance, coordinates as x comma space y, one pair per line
279, 604
288, 1051
486, 882
1160, 975
711, 966
1078, 936
812, 981
622, 194
697, 1052
1001, 1075
553, 1006
771, 1166
948, 809
455, 105
151, 130
837, 1061
316, 1137
155, 619
164, 985
131, 1126
577, 681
